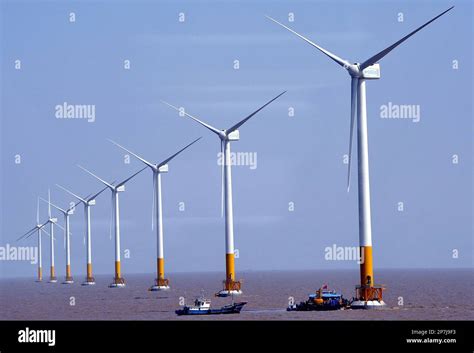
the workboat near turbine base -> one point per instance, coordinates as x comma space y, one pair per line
323, 300
202, 306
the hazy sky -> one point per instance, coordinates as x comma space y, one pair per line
299, 158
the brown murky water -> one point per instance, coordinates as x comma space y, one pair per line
427, 295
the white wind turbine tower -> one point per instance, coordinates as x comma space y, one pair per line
66, 213
368, 294
119, 281
52, 221
161, 283
39, 228
231, 286
88, 201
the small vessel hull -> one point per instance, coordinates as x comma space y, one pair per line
228, 309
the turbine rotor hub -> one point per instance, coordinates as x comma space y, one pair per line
354, 70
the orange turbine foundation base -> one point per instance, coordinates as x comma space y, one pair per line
367, 290
68, 271
160, 268
89, 277
230, 283
366, 266
52, 273
161, 281
118, 275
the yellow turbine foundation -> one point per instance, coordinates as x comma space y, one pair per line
117, 270
52, 273
230, 267
366, 267
68, 271
160, 272
89, 272
160, 268
230, 284
40, 274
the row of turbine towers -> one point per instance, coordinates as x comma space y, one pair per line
230, 285
367, 293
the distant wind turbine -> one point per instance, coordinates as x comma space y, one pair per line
66, 213
37, 228
119, 281
87, 201
231, 286
161, 283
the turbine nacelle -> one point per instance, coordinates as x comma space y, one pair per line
371, 72
120, 188
53, 220
163, 168
233, 136
91, 202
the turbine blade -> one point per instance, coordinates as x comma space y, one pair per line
31, 233
95, 176
97, 194
240, 123
384, 52
181, 150
44, 231
49, 203
37, 210
222, 178
28, 232
343, 63
56, 207
213, 129
71, 193
132, 176
49, 235
354, 88
73, 206
60, 226
151, 165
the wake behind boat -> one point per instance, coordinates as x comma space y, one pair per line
202, 306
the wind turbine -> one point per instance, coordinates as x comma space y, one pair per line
161, 283
231, 286
39, 228
66, 213
368, 295
119, 281
88, 201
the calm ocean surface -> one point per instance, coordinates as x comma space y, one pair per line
427, 295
